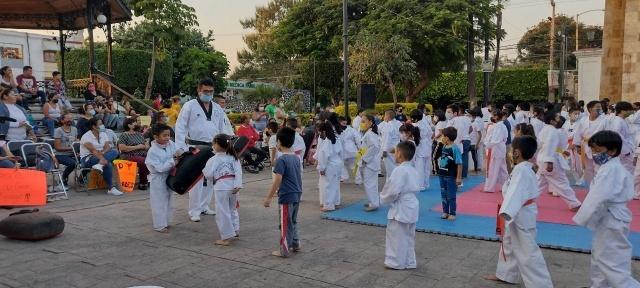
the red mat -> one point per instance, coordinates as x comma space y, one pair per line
550, 209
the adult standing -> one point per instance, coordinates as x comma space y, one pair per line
456, 118
260, 118
199, 121
27, 84
272, 108
134, 147
228, 127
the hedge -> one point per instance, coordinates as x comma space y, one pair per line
304, 117
512, 85
130, 67
380, 108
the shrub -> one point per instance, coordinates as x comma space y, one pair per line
381, 107
305, 117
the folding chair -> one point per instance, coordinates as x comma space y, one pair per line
29, 155
82, 180
15, 146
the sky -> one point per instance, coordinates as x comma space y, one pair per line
223, 17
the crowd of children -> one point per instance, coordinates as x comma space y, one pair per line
524, 150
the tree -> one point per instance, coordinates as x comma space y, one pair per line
533, 47
375, 59
262, 94
166, 23
198, 64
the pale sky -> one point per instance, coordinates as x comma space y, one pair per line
223, 17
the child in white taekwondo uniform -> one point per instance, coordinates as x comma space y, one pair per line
224, 171
160, 160
495, 145
298, 147
574, 157
605, 212
350, 139
552, 176
422, 159
198, 122
369, 164
519, 254
586, 128
618, 124
400, 191
329, 166
390, 134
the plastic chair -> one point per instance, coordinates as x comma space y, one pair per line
82, 180
29, 155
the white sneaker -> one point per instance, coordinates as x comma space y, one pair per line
209, 212
195, 218
97, 167
58, 188
114, 192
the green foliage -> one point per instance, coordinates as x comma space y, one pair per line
380, 108
130, 67
533, 47
512, 85
139, 108
262, 94
304, 117
196, 64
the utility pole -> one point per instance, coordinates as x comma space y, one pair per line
577, 33
485, 74
471, 71
552, 45
345, 47
563, 48
315, 100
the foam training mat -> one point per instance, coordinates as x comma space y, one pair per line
476, 217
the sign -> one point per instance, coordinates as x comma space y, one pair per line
22, 187
487, 66
242, 85
95, 181
127, 171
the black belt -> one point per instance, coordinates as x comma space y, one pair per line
194, 142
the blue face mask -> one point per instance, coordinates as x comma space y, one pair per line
102, 128
206, 97
601, 158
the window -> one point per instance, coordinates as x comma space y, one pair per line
11, 55
50, 56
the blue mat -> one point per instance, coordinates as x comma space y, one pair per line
550, 235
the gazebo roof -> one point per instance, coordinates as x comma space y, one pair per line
45, 14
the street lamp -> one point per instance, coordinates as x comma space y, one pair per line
578, 26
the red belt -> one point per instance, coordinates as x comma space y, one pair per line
226, 177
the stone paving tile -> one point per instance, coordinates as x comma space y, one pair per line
108, 242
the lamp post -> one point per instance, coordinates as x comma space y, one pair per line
578, 26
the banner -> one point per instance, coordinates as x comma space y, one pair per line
22, 187
127, 171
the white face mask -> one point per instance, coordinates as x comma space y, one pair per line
448, 115
403, 137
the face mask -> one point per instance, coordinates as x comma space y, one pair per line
92, 112
574, 118
518, 109
403, 137
206, 98
363, 127
449, 116
261, 109
102, 128
165, 119
55, 101
514, 157
601, 158
68, 123
599, 112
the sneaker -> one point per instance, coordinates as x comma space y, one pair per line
209, 212
114, 192
370, 209
444, 216
451, 218
58, 188
143, 186
195, 218
97, 167
251, 169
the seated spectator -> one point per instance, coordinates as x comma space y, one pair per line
126, 104
158, 118
56, 86
52, 111
248, 131
7, 159
27, 84
110, 113
91, 93
6, 78
96, 153
175, 103
134, 147
260, 118
86, 114
157, 102
21, 129
64, 136
170, 113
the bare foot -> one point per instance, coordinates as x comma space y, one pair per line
574, 209
163, 230
495, 278
278, 254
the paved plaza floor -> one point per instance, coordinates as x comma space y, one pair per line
108, 242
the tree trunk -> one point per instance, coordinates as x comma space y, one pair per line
149, 88
471, 73
414, 91
392, 87
496, 60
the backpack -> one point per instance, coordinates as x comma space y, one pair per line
44, 160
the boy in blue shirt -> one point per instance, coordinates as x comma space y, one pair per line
449, 172
288, 183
